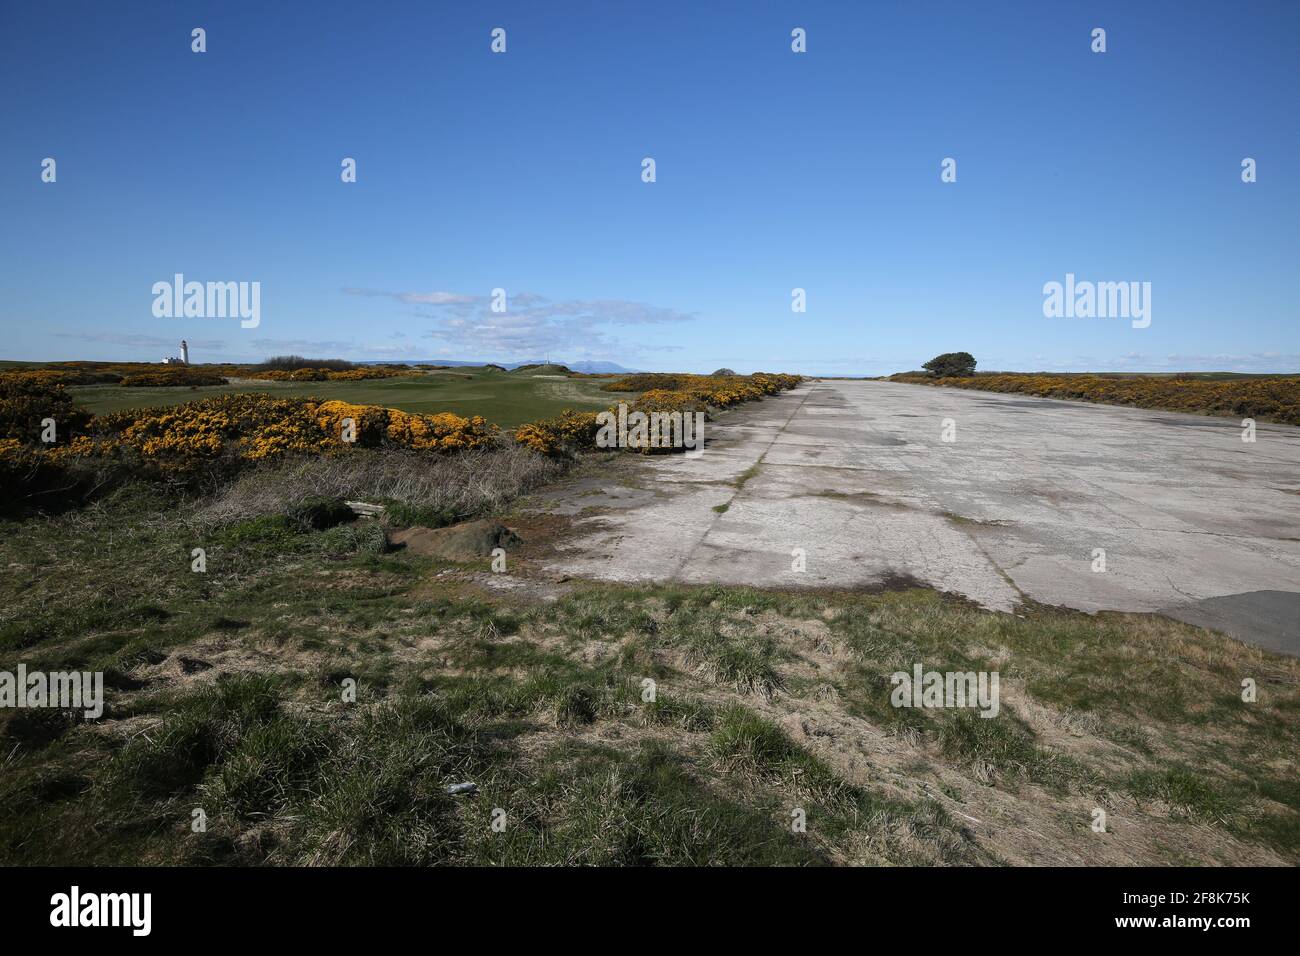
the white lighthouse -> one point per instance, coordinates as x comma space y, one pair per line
185, 353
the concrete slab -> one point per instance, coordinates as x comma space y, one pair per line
856, 475
1265, 618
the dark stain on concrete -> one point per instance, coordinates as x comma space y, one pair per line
1267, 619
964, 520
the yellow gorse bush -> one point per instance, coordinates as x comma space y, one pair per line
229, 428
696, 392
659, 393
278, 438
157, 374
376, 425
538, 437
569, 429
369, 422
82, 447
443, 431
28, 399
330, 375
171, 376
225, 429
53, 376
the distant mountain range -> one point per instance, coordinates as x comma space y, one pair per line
590, 368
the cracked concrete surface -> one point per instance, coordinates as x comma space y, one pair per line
1195, 522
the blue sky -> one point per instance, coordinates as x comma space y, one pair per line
775, 170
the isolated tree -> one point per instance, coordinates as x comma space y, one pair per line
951, 363
723, 371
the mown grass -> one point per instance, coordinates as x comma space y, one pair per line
225, 695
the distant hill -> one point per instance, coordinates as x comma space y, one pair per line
601, 368
588, 368
546, 368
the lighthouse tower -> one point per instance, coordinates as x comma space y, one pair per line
185, 353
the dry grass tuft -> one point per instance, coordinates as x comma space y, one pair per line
418, 488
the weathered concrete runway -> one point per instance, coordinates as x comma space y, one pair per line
1194, 522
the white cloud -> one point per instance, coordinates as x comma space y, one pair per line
416, 298
533, 325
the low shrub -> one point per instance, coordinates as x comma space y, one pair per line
568, 431
28, 399
1275, 399
70, 376
664, 393
173, 376
200, 442
323, 374
414, 487
442, 432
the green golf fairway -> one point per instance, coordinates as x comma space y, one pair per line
503, 398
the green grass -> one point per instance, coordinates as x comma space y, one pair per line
224, 694
503, 398
647, 806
